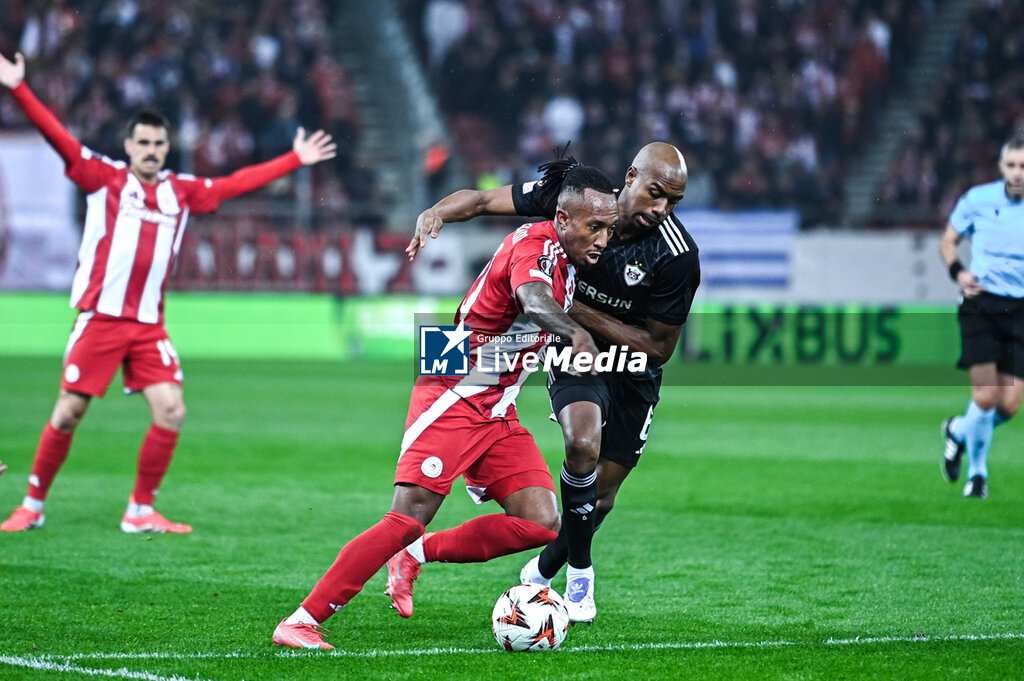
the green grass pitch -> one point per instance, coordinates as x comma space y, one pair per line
769, 533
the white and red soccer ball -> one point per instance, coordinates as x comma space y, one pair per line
529, 617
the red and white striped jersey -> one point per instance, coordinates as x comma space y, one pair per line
133, 230
501, 335
132, 234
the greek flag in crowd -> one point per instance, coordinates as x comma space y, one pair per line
743, 250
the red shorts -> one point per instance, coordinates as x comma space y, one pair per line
445, 437
100, 344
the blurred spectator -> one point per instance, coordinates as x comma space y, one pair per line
235, 79
444, 22
977, 105
790, 88
435, 169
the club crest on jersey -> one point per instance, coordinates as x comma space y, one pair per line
546, 265
634, 274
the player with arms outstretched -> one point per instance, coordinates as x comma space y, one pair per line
637, 295
135, 219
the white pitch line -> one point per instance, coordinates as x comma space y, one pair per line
689, 645
45, 663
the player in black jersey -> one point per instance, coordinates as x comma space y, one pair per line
639, 295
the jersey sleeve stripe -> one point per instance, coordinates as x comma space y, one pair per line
672, 245
541, 275
670, 230
675, 228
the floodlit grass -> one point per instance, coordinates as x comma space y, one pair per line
769, 533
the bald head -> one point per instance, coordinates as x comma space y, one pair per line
662, 158
655, 184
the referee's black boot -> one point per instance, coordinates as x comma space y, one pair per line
953, 453
976, 488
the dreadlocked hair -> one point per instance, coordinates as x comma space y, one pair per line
554, 172
579, 179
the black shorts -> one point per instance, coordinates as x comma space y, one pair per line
992, 330
627, 408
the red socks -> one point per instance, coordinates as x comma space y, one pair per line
50, 456
474, 541
154, 459
485, 537
358, 561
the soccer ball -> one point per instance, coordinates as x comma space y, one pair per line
529, 617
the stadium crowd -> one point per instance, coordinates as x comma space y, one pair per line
977, 105
235, 80
769, 101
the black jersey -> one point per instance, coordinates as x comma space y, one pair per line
654, 276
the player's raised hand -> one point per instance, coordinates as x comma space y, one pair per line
2, 467
317, 147
12, 72
429, 223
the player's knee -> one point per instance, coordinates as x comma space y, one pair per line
171, 416
582, 452
551, 522
68, 414
546, 518
65, 421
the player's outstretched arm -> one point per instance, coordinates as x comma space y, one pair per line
2, 467
12, 73
305, 151
965, 279
658, 341
317, 147
463, 205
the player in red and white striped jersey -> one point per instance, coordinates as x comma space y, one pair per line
468, 426
500, 336
135, 218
